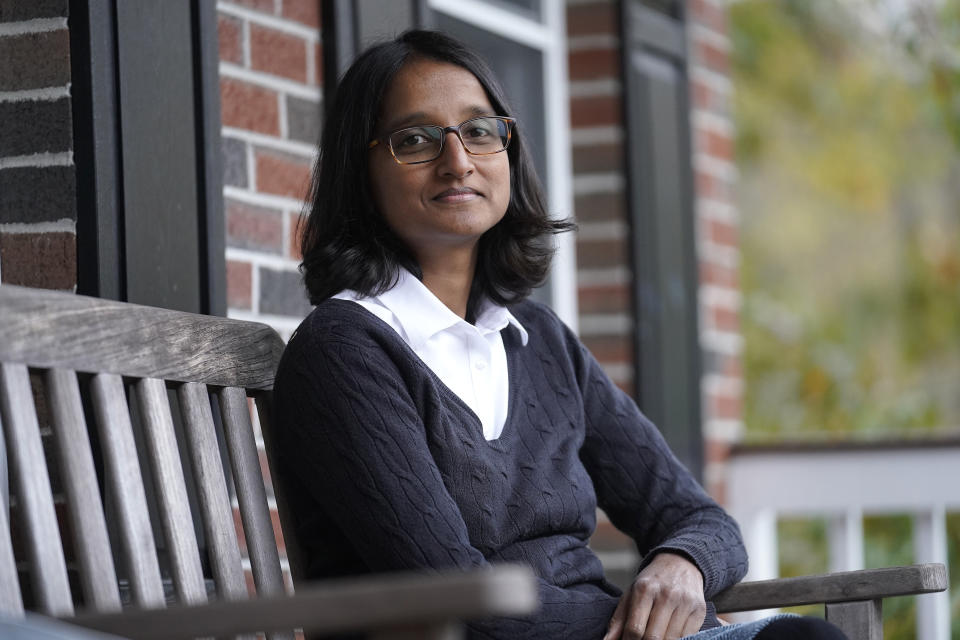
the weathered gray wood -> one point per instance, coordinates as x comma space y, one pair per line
97, 574
214, 499
436, 631
292, 546
251, 495
172, 501
11, 601
124, 483
859, 620
50, 329
846, 586
35, 499
106, 339
376, 603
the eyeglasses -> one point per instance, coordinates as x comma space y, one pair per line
480, 137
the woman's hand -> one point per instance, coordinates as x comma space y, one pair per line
665, 602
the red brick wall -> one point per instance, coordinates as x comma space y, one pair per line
600, 180
270, 87
37, 176
270, 91
599, 184
716, 239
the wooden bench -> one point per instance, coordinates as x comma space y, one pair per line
141, 418
145, 414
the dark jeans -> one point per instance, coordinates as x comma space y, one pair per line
800, 629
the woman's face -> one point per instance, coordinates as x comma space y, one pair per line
451, 201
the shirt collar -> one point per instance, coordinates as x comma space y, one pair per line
422, 315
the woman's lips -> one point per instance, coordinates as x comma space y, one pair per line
462, 194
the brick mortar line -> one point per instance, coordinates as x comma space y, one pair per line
587, 136
609, 230
263, 199
284, 124
245, 44
39, 25
593, 42
602, 276
709, 209
268, 81
711, 78
712, 296
257, 259
724, 342
64, 225
590, 183
604, 324
38, 160
286, 25
311, 59
600, 87
722, 384
715, 166
36, 95
723, 255
724, 429
703, 33
709, 120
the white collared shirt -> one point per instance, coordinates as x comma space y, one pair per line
470, 359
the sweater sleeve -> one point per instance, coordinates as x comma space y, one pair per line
645, 490
351, 431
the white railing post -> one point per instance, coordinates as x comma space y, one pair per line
845, 535
930, 545
759, 529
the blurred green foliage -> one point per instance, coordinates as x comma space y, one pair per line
847, 118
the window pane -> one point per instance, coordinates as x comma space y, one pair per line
669, 7
529, 8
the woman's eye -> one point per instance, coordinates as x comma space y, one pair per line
478, 132
413, 140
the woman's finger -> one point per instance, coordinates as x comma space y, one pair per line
694, 622
615, 626
661, 620
639, 607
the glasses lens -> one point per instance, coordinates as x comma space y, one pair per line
416, 144
485, 135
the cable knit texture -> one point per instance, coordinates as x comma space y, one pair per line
387, 469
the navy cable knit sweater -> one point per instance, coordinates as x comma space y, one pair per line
387, 469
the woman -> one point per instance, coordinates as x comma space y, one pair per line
429, 416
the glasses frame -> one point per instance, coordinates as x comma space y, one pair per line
385, 139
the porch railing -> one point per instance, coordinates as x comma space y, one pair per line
843, 483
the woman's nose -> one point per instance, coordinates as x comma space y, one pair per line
454, 159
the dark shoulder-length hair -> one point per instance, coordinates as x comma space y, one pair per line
346, 243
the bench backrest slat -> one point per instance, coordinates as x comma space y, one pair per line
11, 603
34, 497
173, 504
125, 485
92, 546
251, 494
218, 520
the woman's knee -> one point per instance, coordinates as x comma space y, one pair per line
800, 629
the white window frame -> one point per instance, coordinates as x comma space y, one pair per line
550, 38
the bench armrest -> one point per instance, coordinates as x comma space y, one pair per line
846, 586
355, 604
